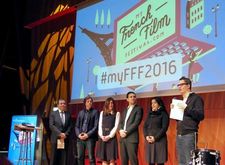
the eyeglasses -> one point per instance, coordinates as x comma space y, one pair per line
181, 84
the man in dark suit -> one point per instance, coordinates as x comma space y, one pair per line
187, 129
60, 124
86, 130
128, 129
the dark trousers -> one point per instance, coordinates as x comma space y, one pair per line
58, 156
128, 151
81, 148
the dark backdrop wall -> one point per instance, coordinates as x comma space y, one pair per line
16, 56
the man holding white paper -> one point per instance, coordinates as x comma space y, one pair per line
177, 111
187, 128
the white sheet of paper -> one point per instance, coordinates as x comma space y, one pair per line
60, 144
176, 112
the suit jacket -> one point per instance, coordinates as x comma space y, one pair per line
92, 127
132, 124
56, 125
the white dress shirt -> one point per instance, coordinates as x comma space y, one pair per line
113, 131
62, 115
127, 116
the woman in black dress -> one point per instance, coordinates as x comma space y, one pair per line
155, 127
107, 128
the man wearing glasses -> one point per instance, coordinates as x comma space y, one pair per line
187, 129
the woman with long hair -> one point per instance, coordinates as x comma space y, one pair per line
107, 151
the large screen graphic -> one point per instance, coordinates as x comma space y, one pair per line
146, 46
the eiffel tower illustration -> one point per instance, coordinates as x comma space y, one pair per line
102, 42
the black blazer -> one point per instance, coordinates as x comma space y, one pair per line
193, 114
132, 124
92, 129
56, 125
